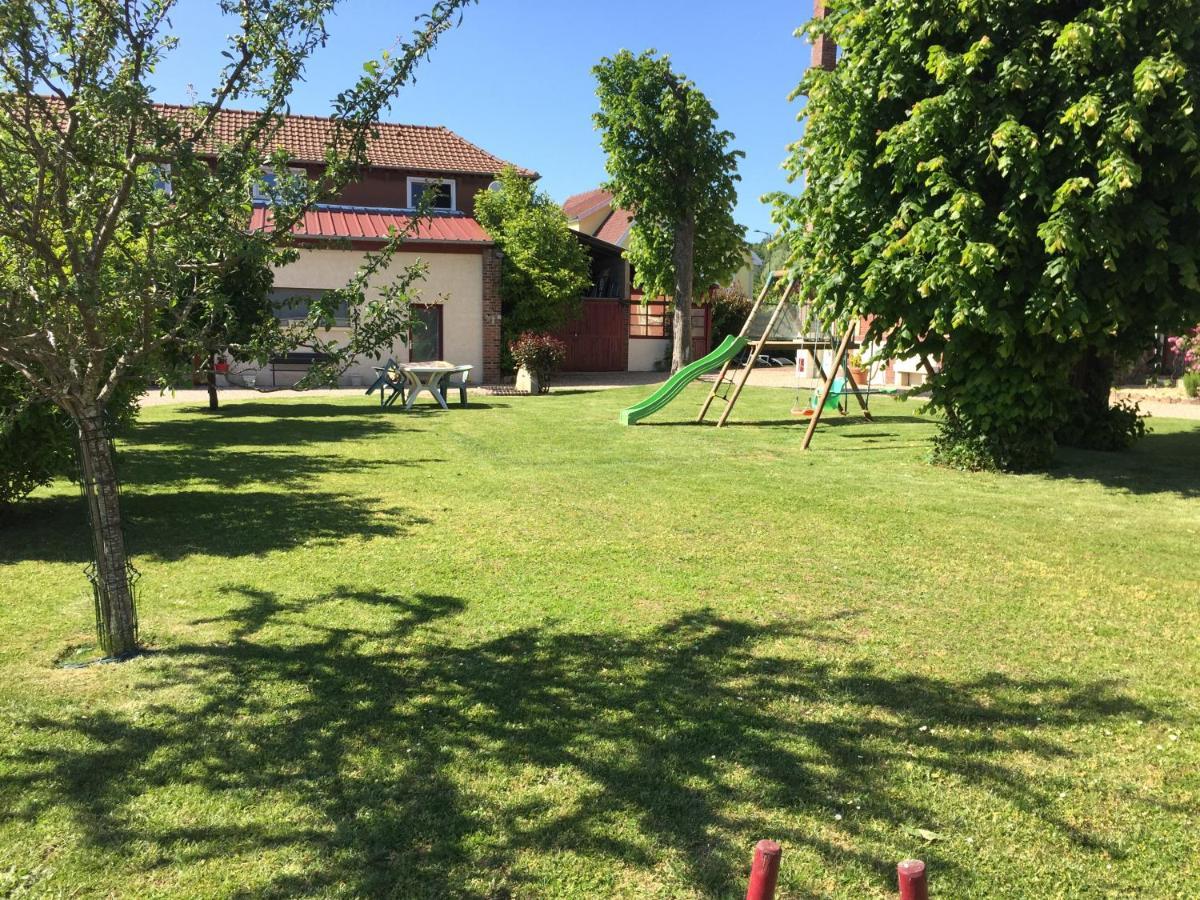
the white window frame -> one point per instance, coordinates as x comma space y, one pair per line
417, 179
162, 178
256, 193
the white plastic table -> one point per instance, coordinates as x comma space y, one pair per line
429, 378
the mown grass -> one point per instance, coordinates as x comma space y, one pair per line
520, 651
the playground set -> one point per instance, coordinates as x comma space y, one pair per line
777, 320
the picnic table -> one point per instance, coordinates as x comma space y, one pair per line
410, 379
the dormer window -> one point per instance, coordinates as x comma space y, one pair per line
266, 188
162, 178
440, 192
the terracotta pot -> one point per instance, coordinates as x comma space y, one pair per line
861, 376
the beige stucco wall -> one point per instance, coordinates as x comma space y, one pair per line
590, 223
744, 280
645, 352
454, 280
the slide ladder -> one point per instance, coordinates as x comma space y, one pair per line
743, 376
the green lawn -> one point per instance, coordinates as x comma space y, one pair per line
521, 651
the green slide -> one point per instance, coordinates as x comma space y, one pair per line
730, 347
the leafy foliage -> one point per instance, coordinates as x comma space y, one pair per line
1010, 188
121, 221
730, 306
38, 440
239, 309
546, 269
540, 354
672, 167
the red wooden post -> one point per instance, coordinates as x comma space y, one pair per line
913, 885
764, 873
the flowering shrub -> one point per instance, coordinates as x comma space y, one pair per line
539, 354
1183, 352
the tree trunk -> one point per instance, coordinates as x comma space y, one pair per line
1093, 378
116, 618
213, 403
684, 258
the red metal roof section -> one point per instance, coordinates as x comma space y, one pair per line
327, 223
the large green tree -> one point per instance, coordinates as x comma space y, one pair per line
119, 220
1012, 189
670, 165
546, 268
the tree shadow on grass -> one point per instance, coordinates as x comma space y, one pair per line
233, 458
176, 524
800, 422
404, 766
295, 469
265, 425
1160, 463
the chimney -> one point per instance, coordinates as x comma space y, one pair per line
824, 51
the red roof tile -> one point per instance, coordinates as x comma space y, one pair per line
423, 148
427, 148
616, 226
361, 223
580, 205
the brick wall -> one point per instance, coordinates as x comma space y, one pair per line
491, 315
824, 52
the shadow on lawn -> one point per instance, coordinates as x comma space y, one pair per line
404, 766
1158, 464
254, 425
798, 422
173, 525
219, 458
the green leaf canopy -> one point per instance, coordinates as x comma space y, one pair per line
1012, 188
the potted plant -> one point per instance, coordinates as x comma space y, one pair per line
537, 357
858, 369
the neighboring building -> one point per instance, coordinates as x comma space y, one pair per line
459, 297
594, 214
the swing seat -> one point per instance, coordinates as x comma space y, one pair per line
833, 403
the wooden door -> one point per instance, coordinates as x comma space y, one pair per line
598, 341
701, 331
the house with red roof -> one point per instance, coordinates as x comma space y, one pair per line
458, 308
595, 215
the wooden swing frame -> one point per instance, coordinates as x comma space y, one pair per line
804, 343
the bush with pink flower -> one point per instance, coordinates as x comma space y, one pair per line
1183, 352
1183, 360
540, 355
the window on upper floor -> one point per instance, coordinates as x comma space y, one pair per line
162, 178
442, 192
266, 188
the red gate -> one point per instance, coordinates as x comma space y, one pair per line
598, 341
701, 330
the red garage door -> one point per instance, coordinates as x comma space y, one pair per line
598, 341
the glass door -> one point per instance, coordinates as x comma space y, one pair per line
425, 335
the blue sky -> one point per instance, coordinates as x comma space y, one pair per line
515, 78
